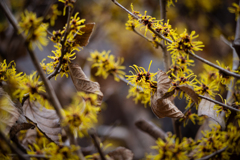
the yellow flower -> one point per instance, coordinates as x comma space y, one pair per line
235, 9
53, 14
142, 96
67, 3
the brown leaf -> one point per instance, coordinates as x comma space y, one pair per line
30, 137
164, 107
83, 39
8, 112
163, 84
206, 108
189, 90
46, 120
82, 83
121, 153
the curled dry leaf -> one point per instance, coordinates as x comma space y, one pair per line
163, 84
121, 153
164, 107
206, 108
82, 83
18, 127
30, 137
46, 120
83, 39
189, 90
8, 112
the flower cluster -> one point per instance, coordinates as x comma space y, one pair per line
34, 29
235, 9
81, 115
106, 65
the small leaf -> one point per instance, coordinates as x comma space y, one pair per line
121, 153
8, 112
189, 90
164, 107
163, 84
82, 83
46, 120
206, 108
83, 39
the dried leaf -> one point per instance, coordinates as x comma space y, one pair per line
164, 108
206, 108
82, 83
46, 120
189, 90
8, 112
121, 153
163, 84
83, 39
30, 137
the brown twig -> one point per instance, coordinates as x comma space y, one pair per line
96, 143
151, 129
213, 154
189, 52
13, 148
219, 103
149, 40
63, 49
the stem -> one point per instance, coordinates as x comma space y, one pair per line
13, 148
169, 41
219, 103
149, 40
96, 143
63, 49
151, 129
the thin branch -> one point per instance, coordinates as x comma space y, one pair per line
185, 112
13, 148
151, 129
49, 33
96, 143
219, 103
63, 49
190, 53
149, 40
116, 123
213, 154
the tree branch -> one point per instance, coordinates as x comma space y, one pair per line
151, 129
13, 148
96, 143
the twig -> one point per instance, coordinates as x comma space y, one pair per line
213, 154
116, 123
149, 40
189, 52
63, 49
151, 129
219, 103
49, 33
96, 143
13, 148
185, 112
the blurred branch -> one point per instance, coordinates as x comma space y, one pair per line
189, 52
149, 40
213, 154
12, 147
151, 129
63, 49
96, 143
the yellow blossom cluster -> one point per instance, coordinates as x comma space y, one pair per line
81, 115
106, 65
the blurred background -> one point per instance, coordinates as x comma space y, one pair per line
210, 19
